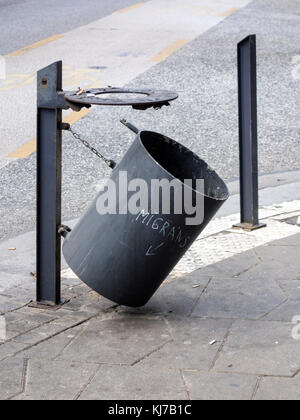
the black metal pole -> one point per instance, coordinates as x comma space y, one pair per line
247, 90
49, 156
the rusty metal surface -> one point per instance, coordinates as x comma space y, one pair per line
146, 98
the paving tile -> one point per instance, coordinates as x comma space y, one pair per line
135, 383
191, 347
9, 336
50, 349
71, 319
278, 262
231, 266
8, 303
178, 297
9, 280
10, 348
54, 327
284, 253
89, 302
39, 334
20, 323
22, 260
17, 318
291, 288
75, 291
48, 380
219, 386
260, 348
293, 240
285, 312
23, 292
276, 271
36, 312
239, 298
123, 339
11, 377
279, 389
70, 282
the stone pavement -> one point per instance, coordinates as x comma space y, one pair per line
225, 331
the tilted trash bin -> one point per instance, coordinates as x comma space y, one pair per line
126, 257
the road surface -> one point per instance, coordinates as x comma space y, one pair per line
186, 46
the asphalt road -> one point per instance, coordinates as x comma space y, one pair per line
29, 21
204, 118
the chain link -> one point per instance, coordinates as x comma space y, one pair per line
110, 163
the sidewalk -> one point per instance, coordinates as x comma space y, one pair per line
220, 327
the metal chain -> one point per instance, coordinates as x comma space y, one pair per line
110, 163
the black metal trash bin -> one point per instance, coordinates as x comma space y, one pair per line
126, 257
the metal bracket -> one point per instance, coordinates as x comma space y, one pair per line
49, 84
64, 230
131, 127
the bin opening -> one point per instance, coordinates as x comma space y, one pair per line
183, 164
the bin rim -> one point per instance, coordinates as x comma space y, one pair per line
225, 194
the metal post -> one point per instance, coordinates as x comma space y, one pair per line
49, 157
247, 85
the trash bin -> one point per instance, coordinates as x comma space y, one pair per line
126, 257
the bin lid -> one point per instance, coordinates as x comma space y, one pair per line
143, 99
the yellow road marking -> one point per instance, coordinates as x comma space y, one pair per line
24, 151
76, 116
230, 12
17, 80
169, 50
30, 147
31, 47
127, 9
71, 78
